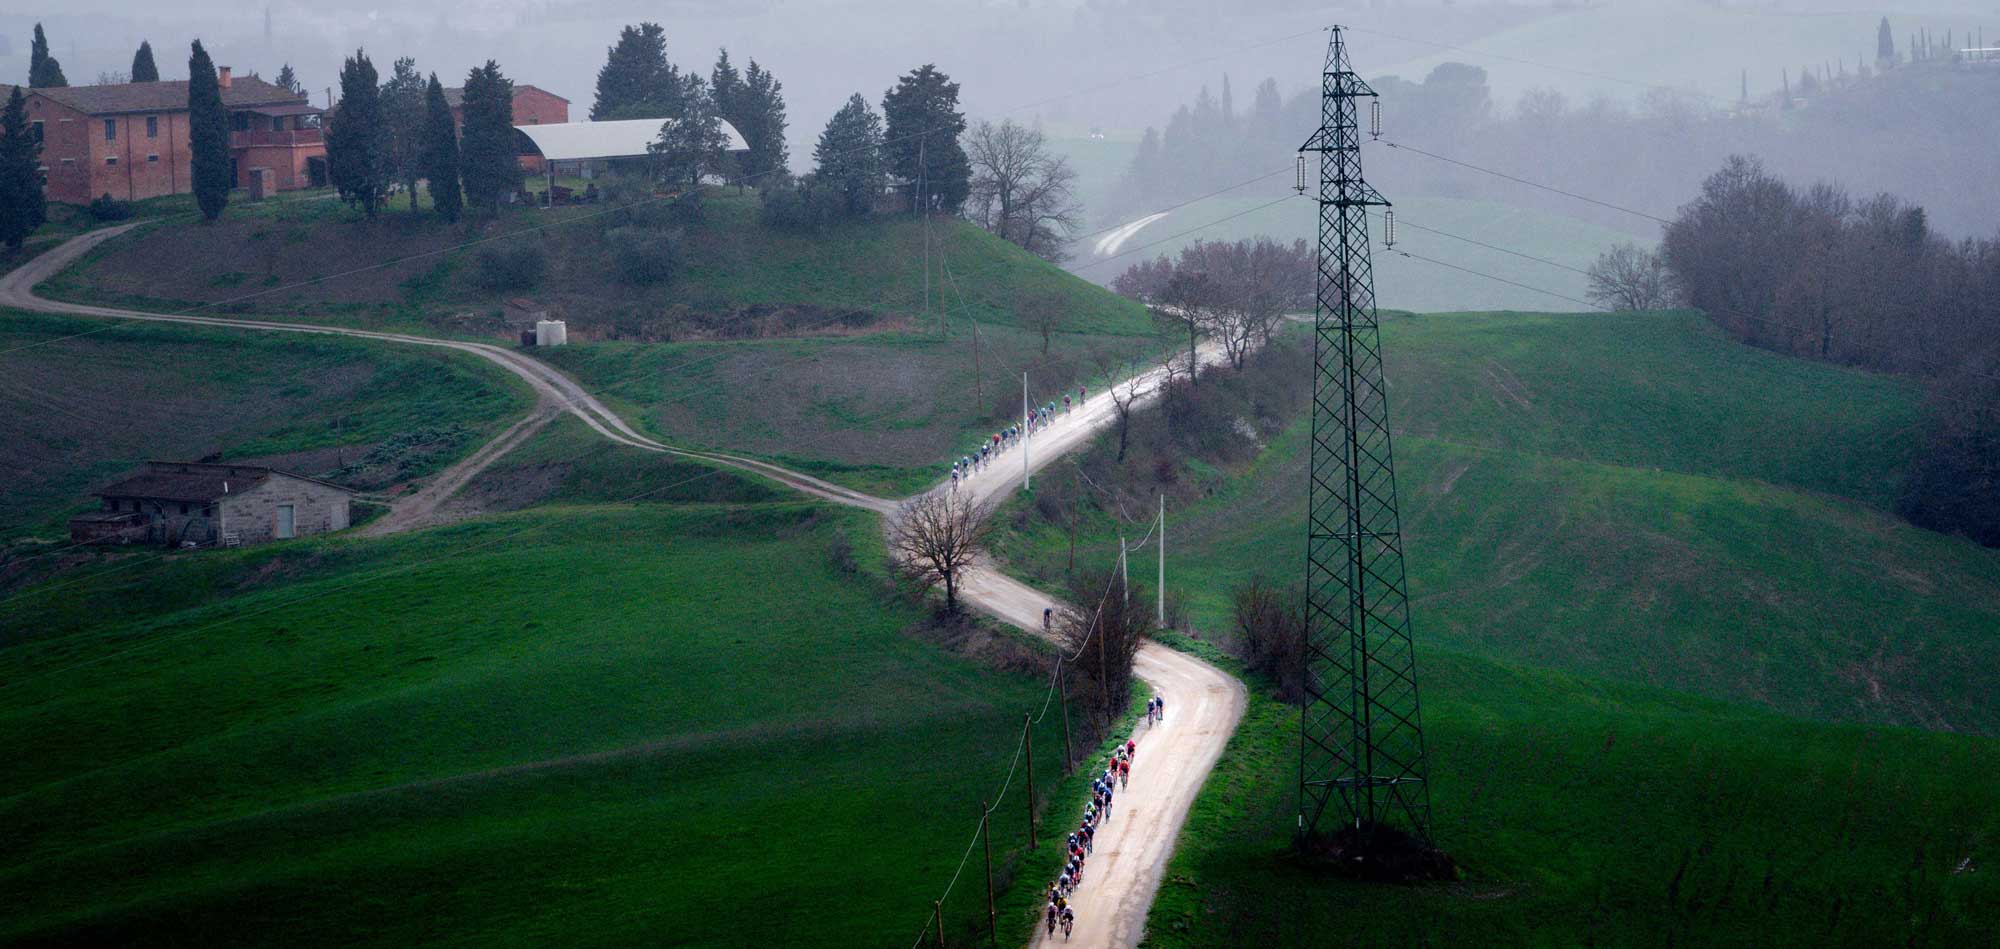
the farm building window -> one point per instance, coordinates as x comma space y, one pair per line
111, 159
110, 130
277, 123
153, 158
152, 126
240, 121
37, 126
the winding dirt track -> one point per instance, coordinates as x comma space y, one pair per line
1204, 704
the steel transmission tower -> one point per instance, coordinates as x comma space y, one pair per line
1361, 748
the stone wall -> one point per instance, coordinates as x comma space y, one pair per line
251, 517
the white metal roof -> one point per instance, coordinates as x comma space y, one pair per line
622, 139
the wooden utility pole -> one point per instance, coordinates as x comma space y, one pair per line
1028, 736
992, 927
937, 908
1062, 691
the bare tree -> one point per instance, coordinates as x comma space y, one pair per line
1020, 190
1046, 314
936, 536
1101, 635
1627, 277
1183, 304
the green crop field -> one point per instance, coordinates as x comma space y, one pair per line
83, 400
1671, 650
603, 724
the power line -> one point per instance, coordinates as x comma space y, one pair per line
1532, 184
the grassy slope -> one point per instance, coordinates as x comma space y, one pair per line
82, 400
1406, 283
878, 409
585, 724
1543, 534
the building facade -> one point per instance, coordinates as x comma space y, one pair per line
180, 504
130, 140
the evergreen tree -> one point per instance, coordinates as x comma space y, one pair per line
691, 145
849, 155
44, 72
22, 207
920, 139
289, 80
763, 126
725, 86
440, 165
143, 67
487, 165
1885, 45
403, 117
637, 81
208, 136
357, 144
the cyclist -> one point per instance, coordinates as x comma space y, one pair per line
1068, 923
1053, 914
1065, 403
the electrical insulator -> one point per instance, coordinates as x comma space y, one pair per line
1375, 118
1301, 185
1388, 229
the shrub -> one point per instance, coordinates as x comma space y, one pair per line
802, 210
107, 208
1271, 633
642, 257
503, 269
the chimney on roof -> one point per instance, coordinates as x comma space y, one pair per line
222, 76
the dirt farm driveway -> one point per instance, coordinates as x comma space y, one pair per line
1204, 704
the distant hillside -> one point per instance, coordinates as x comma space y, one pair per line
1665, 630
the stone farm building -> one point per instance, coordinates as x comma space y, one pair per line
177, 503
130, 140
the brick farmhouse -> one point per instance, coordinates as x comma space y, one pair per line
130, 140
179, 503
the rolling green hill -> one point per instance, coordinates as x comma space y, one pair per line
1670, 640
82, 400
815, 349
578, 724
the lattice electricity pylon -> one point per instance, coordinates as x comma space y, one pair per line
1361, 737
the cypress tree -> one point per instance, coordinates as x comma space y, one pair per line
849, 155
690, 145
44, 72
921, 139
731, 100
143, 67
763, 126
22, 207
637, 81
289, 80
1885, 44
441, 153
357, 152
403, 115
487, 164
208, 136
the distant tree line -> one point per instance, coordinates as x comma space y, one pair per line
1818, 274
1925, 133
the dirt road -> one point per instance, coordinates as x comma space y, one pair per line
1204, 704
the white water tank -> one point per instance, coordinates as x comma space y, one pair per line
551, 333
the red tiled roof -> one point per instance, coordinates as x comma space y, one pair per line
192, 481
454, 96
167, 96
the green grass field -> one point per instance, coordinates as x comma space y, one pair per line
83, 400
603, 724
1669, 651
1406, 283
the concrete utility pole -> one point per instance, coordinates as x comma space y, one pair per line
1124, 575
1028, 738
992, 926
1024, 430
1161, 619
